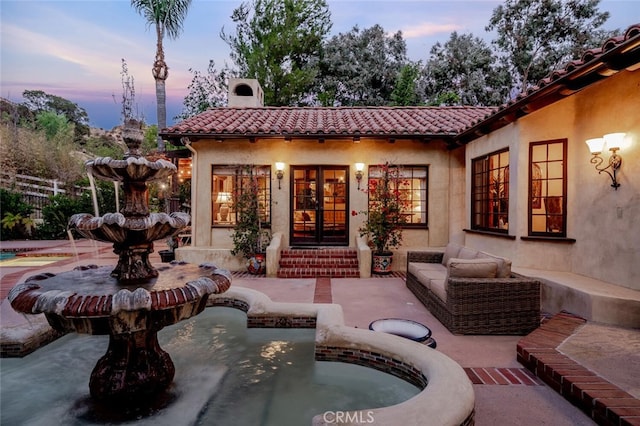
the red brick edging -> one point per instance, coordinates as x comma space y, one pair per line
602, 401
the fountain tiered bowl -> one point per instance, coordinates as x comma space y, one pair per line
132, 302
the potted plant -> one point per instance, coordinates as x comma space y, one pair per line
249, 237
169, 255
385, 217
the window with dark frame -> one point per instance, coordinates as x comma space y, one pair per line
413, 187
548, 188
228, 180
490, 192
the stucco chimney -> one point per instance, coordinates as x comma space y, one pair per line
245, 92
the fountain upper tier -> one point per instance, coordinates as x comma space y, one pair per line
132, 230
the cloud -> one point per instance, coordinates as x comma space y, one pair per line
85, 53
427, 29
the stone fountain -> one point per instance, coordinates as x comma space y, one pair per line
132, 302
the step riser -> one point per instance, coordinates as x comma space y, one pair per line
331, 263
319, 263
319, 253
315, 273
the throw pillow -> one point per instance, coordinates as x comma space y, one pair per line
467, 253
450, 252
504, 264
472, 268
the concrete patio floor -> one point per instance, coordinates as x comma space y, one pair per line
506, 393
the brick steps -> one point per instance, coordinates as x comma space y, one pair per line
314, 263
602, 401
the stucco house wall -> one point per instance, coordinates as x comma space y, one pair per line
211, 244
604, 222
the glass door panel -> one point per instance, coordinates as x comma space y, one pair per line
319, 201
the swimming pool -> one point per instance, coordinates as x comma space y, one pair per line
4, 255
29, 261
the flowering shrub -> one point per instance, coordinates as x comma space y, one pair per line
387, 202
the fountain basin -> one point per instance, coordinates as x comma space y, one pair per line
446, 396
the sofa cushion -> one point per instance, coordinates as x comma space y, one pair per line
415, 267
467, 253
450, 252
438, 287
504, 264
472, 268
425, 277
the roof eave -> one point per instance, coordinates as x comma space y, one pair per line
178, 138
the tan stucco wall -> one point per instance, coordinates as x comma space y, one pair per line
213, 244
604, 222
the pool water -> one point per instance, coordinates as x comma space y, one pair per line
30, 261
4, 255
264, 376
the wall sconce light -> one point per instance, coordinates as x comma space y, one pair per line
613, 141
280, 173
359, 169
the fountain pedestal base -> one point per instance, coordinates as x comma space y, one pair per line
134, 368
133, 263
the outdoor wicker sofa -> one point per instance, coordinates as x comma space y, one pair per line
469, 295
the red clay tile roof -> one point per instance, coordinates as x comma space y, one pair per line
318, 122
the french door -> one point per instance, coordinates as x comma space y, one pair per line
319, 205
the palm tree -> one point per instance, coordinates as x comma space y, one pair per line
167, 16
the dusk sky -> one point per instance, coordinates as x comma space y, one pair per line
73, 49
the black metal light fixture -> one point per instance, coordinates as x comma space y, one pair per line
613, 141
279, 173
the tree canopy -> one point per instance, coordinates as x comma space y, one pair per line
464, 71
205, 91
38, 102
537, 36
405, 91
360, 67
283, 45
278, 42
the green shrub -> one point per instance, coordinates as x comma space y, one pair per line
56, 215
16, 220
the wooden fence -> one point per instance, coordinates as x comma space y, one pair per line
36, 191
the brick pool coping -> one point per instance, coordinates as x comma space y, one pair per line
601, 400
440, 379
